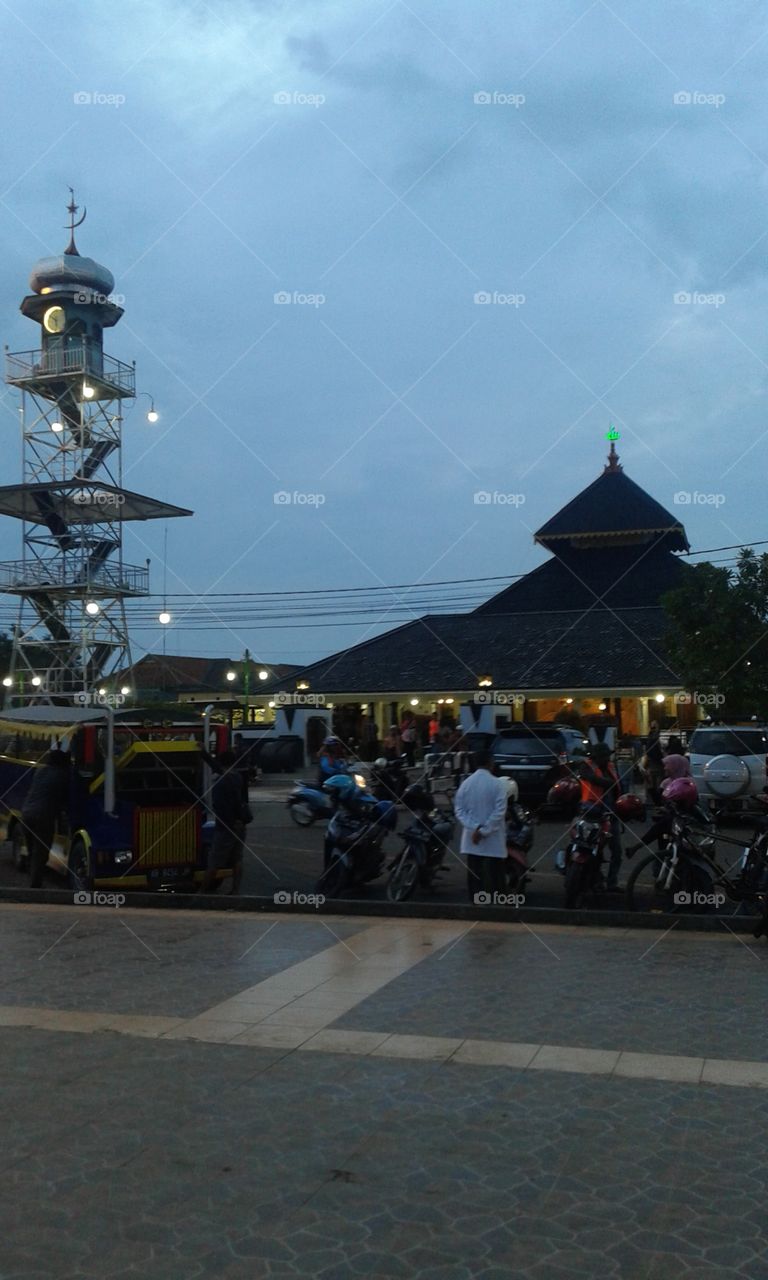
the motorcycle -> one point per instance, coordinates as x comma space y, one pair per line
519, 842
421, 859
353, 844
581, 861
309, 804
389, 778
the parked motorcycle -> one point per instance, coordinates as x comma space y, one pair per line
309, 804
354, 852
519, 843
425, 843
581, 861
389, 778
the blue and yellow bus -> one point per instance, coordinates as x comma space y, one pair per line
137, 815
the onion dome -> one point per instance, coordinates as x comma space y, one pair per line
70, 271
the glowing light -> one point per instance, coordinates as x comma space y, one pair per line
660, 698
302, 684
126, 689
36, 681
414, 702
8, 682
164, 617
152, 414
231, 675
602, 707
92, 608
485, 682
263, 675
270, 704
569, 701
88, 391
449, 702
102, 693
57, 426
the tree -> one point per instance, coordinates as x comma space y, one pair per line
719, 634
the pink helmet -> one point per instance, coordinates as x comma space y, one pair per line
681, 791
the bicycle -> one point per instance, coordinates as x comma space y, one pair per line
686, 877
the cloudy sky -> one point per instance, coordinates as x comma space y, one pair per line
598, 171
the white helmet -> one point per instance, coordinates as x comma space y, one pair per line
511, 788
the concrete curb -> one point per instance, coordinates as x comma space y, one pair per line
531, 916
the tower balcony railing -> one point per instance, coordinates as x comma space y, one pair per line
28, 576
84, 359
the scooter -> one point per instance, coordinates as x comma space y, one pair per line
353, 851
519, 835
308, 804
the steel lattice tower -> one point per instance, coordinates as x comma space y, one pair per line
72, 581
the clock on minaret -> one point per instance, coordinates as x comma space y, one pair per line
54, 319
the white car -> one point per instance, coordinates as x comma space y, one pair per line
729, 763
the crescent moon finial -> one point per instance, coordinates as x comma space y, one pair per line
72, 209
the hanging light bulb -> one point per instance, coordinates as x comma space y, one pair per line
36, 680
92, 608
8, 682
88, 391
152, 414
164, 617
57, 426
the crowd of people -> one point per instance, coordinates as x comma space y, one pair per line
481, 802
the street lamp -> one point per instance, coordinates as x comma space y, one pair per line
152, 414
231, 676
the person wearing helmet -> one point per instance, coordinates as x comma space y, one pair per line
678, 787
600, 789
331, 761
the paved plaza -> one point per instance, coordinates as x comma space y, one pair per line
242, 1096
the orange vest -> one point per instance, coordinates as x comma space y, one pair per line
590, 794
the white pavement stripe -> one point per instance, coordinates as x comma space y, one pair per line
623, 1064
310, 995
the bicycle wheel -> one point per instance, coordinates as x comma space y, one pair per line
643, 891
688, 892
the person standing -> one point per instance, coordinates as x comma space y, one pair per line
625, 762
654, 764
600, 789
43, 803
229, 804
392, 747
408, 736
481, 806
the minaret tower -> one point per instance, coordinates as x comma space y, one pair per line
71, 580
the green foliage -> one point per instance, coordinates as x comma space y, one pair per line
719, 636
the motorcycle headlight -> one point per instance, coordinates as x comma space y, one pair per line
360, 781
